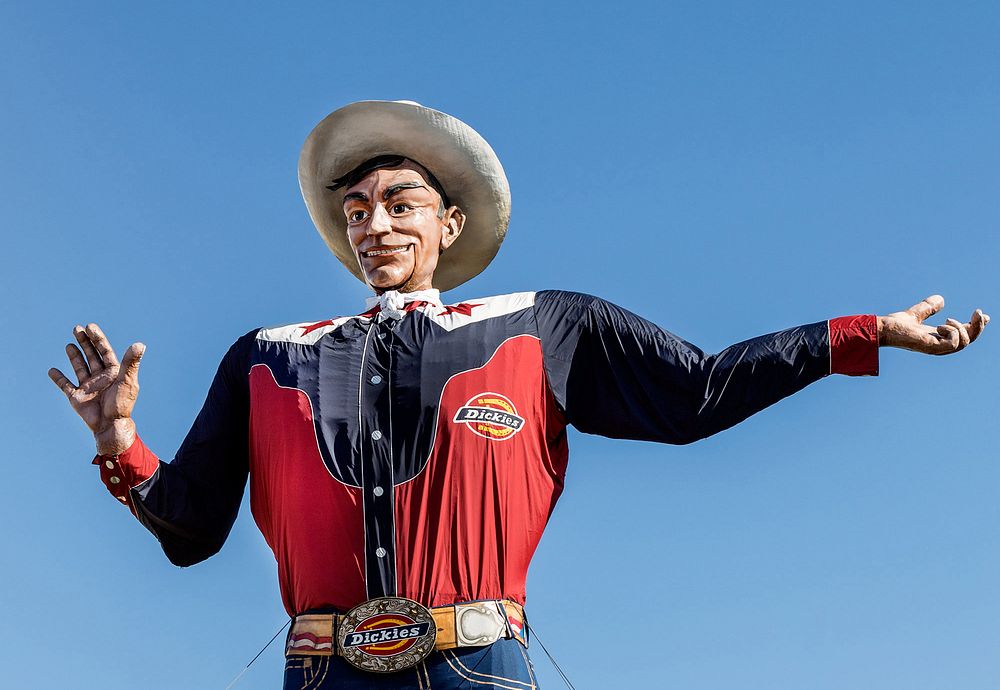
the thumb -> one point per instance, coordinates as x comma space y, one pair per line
129, 371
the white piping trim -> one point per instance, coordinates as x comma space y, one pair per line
312, 414
473, 672
470, 679
437, 414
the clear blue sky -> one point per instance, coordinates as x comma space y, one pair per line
722, 169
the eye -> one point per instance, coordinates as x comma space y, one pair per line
357, 216
399, 208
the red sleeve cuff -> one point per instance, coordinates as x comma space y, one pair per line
854, 345
120, 473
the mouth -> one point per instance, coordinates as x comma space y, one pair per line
385, 251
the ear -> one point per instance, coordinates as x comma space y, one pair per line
451, 226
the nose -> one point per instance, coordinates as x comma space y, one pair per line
381, 222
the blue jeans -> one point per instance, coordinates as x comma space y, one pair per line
504, 665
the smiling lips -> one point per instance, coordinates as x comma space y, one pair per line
384, 251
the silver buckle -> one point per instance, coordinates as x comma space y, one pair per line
478, 624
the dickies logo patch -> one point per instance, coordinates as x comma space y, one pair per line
386, 635
491, 416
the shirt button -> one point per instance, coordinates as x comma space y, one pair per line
381, 334
123, 499
114, 480
376, 379
376, 435
380, 552
110, 465
377, 491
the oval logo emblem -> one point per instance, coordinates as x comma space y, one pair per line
491, 416
386, 635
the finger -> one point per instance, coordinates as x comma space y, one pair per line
100, 342
60, 380
94, 361
930, 305
963, 332
79, 364
977, 323
949, 339
129, 372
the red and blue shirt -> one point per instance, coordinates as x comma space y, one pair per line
420, 453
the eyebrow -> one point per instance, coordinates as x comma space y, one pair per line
355, 195
400, 187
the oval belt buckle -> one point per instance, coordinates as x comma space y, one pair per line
386, 635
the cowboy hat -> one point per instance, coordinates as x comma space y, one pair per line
463, 163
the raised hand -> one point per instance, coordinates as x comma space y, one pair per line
906, 329
107, 390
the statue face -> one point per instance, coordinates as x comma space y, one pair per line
398, 227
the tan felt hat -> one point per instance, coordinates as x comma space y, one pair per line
454, 153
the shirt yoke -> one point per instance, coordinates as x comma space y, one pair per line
448, 316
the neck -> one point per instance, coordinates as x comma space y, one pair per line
411, 285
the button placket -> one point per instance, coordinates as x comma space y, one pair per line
377, 464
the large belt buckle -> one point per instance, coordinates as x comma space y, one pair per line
386, 635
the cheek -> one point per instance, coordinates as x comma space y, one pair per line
428, 248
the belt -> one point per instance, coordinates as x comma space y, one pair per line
472, 624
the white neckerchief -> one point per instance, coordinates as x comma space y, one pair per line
392, 303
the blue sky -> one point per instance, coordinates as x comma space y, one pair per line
724, 169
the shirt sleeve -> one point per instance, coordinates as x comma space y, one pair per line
854, 345
122, 473
191, 503
618, 375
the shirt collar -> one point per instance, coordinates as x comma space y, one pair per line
392, 304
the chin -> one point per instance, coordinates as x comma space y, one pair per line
381, 279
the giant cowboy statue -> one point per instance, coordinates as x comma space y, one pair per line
403, 462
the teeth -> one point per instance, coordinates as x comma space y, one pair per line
382, 252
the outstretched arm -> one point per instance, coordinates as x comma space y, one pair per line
616, 374
189, 504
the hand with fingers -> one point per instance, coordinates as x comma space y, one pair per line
106, 390
906, 329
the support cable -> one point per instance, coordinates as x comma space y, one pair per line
559, 670
240, 674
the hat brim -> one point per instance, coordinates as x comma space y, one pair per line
461, 160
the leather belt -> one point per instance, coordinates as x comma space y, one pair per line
472, 624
